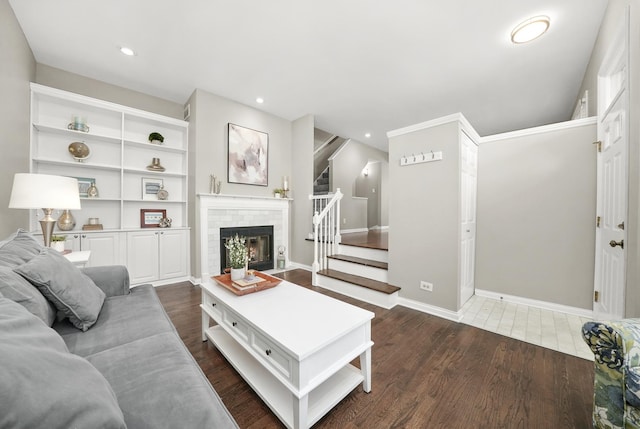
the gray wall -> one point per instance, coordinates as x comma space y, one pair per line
345, 168
369, 187
17, 69
614, 16
61, 79
536, 211
424, 216
301, 251
210, 115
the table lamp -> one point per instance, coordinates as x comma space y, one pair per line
33, 191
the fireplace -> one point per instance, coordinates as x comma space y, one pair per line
259, 241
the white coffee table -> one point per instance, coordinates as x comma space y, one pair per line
292, 346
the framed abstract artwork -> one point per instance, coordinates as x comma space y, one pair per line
248, 156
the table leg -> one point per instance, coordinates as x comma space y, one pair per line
300, 408
365, 368
205, 324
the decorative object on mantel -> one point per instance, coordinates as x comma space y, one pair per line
155, 165
79, 151
238, 256
225, 281
66, 221
78, 123
279, 193
165, 222
421, 157
150, 218
215, 185
156, 138
92, 192
285, 186
248, 156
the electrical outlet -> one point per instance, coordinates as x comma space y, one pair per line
426, 286
344, 221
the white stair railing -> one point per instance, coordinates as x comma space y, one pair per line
326, 229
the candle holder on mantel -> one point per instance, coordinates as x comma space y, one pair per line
285, 186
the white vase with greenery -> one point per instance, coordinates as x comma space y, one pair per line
238, 256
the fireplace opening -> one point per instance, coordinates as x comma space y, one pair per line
259, 242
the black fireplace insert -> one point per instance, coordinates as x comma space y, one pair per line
259, 242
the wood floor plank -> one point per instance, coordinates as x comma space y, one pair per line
427, 372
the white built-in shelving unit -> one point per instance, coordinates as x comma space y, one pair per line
120, 153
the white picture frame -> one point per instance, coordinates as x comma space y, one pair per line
150, 188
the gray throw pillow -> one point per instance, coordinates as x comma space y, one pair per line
17, 289
72, 292
45, 386
18, 249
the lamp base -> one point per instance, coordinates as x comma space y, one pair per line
47, 223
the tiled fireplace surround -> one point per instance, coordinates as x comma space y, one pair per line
224, 211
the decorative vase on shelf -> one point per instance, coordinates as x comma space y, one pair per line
237, 273
92, 191
66, 221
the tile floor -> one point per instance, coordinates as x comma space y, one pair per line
550, 329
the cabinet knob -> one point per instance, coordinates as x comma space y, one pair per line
84, 235
76, 236
234, 323
162, 233
268, 352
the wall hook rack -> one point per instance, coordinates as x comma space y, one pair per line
428, 157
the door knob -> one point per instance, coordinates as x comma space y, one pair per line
614, 243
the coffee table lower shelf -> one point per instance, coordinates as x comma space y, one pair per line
277, 396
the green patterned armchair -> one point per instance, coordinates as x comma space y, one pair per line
616, 348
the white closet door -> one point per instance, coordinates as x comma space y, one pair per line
468, 190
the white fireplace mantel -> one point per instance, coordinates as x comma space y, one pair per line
223, 211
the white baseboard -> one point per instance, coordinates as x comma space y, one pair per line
349, 231
430, 309
582, 312
294, 265
383, 228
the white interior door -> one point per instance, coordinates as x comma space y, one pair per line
468, 191
613, 137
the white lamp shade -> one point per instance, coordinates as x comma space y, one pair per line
34, 191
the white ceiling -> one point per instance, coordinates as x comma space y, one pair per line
357, 65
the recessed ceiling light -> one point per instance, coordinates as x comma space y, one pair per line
127, 51
367, 135
530, 29
259, 100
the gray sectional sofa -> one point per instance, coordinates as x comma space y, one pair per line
94, 353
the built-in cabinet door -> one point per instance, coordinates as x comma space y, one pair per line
104, 247
142, 256
468, 192
173, 253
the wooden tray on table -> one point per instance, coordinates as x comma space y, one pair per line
225, 281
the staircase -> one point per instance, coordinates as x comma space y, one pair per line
349, 269
321, 184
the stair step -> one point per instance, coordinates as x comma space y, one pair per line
322, 181
361, 261
360, 281
320, 188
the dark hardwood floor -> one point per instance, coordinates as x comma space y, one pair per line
427, 372
375, 239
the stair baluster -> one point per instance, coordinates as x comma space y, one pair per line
326, 229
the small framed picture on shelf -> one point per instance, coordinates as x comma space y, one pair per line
150, 218
150, 188
84, 183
